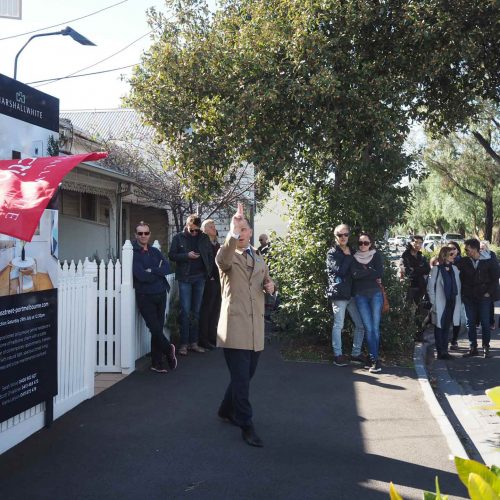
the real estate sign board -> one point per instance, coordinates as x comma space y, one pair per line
29, 122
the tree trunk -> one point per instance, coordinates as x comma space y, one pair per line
488, 219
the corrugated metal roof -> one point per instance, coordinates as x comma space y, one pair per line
110, 124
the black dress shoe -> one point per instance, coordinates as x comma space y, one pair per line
206, 345
227, 417
445, 356
249, 436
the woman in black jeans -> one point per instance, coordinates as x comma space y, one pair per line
443, 289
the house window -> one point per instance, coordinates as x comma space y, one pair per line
86, 206
104, 210
70, 203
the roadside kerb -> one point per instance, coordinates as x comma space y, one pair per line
454, 443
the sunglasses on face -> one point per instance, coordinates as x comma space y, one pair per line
194, 231
143, 233
364, 243
342, 235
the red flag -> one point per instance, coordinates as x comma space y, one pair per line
26, 187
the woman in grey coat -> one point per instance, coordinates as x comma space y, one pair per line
443, 289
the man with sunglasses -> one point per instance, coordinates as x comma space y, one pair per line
338, 267
150, 267
191, 251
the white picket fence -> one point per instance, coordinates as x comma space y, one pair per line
99, 330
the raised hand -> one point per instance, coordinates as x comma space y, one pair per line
237, 220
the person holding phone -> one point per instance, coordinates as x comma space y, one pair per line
191, 251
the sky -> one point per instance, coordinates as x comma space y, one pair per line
56, 56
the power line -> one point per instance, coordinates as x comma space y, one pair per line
53, 80
65, 22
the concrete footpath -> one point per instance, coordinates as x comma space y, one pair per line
460, 386
329, 433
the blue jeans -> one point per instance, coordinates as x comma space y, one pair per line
339, 308
370, 310
477, 308
190, 297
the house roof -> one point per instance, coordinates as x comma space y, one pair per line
110, 124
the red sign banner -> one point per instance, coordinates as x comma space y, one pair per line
26, 187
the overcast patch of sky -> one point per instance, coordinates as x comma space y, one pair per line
56, 56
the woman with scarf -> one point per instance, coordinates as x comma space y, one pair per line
443, 289
367, 270
455, 256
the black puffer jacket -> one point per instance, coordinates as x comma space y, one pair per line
338, 268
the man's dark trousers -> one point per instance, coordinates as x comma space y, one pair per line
478, 309
242, 364
152, 308
210, 311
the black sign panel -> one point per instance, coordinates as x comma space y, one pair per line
28, 351
28, 104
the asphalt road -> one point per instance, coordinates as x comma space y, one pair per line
329, 433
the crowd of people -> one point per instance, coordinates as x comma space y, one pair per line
457, 289
222, 290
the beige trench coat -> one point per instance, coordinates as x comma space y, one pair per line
241, 321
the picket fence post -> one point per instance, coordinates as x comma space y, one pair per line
90, 273
127, 312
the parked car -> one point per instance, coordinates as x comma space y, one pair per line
400, 241
447, 237
431, 241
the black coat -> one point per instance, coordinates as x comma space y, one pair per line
477, 282
338, 268
179, 250
416, 268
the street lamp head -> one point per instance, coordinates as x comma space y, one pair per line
66, 31
76, 36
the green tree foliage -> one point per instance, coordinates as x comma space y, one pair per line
302, 87
462, 190
299, 264
317, 95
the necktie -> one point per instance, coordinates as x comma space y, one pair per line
249, 252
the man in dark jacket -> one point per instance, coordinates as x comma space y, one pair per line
210, 306
191, 250
150, 267
414, 266
338, 268
479, 274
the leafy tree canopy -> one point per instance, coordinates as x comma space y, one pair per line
307, 89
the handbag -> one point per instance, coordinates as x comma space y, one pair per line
385, 307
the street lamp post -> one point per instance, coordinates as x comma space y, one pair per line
66, 32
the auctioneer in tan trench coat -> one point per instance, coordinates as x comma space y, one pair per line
241, 321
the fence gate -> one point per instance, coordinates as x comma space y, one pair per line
108, 317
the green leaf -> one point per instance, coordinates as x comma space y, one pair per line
479, 489
466, 467
393, 493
